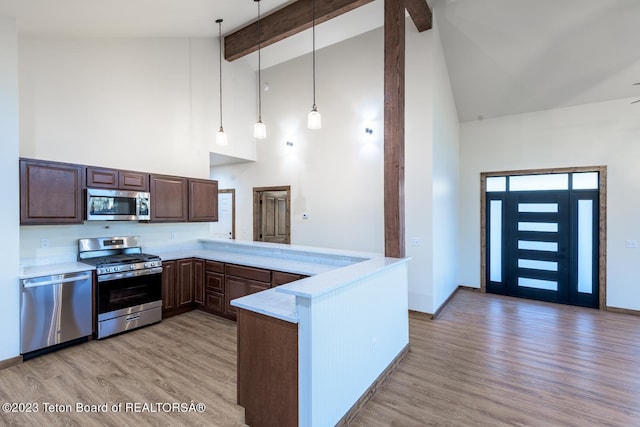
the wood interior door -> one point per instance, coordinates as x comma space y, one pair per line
272, 214
274, 219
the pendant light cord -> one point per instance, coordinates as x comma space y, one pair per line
313, 32
259, 67
219, 21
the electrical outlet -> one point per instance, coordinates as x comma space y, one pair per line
415, 241
173, 235
44, 243
632, 244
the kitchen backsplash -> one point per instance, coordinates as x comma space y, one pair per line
59, 243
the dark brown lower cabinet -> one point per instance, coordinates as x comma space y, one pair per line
236, 287
241, 281
267, 370
190, 283
280, 278
168, 287
182, 285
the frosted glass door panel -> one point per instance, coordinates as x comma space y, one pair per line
538, 246
585, 246
538, 265
538, 207
549, 227
555, 181
538, 284
496, 183
495, 241
585, 181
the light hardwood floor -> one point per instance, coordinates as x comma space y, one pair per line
486, 361
498, 361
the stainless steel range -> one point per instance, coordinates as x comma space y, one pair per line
129, 288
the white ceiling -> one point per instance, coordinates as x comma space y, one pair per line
504, 56
179, 18
515, 56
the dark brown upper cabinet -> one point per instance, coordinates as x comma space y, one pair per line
169, 198
117, 179
50, 192
203, 200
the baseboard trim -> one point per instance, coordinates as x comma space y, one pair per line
471, 288
352, 413
623, 310
7, 363
420, 315
444, 304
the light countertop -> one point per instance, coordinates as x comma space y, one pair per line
250, 260
53, 269
270, 303
328, 269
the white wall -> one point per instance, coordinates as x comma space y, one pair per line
595, 134
445, 181
141, 104
431, 186
128, 103
335, 173
419, 147
9, 287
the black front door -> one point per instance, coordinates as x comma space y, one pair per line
538, 224
543, 244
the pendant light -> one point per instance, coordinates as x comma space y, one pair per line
314, 121
259, 129
221, 137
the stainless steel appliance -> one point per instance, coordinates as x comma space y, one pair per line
129, 283
117, 205
54, 310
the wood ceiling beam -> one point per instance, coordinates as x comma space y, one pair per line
420, 14
283, 23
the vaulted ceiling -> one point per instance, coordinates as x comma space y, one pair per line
503, 56
516, 56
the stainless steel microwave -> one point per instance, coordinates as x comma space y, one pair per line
117, 205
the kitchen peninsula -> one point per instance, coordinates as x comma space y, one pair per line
343, 326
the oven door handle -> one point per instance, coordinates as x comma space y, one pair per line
127, 274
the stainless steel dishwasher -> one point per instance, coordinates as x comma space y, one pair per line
55, 310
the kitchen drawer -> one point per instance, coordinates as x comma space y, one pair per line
214, 282
215, 266
251, 273
215, 301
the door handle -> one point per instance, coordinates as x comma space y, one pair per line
132, 318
